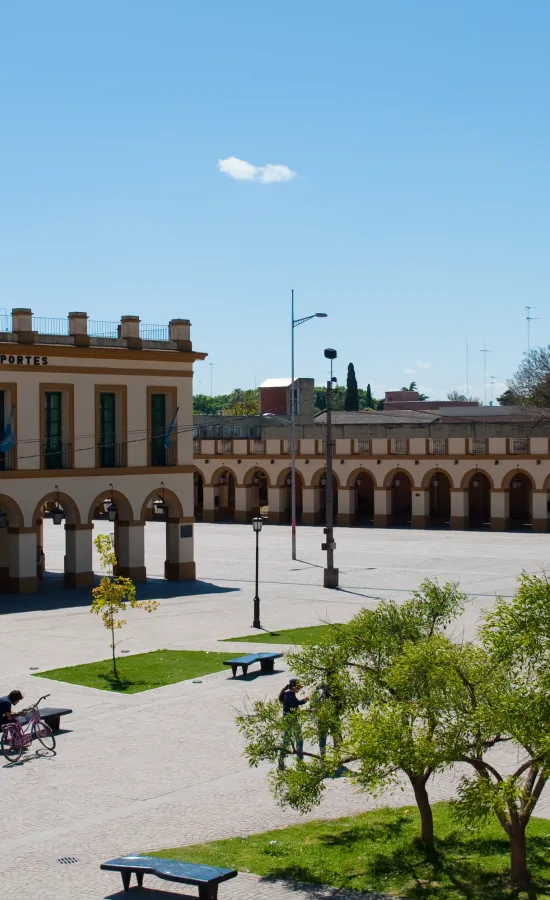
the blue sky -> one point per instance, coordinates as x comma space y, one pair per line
420, 138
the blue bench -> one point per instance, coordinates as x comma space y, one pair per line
207, 878
266, 660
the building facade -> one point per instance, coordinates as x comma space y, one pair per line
102, 418
453, 467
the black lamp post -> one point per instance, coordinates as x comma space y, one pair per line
257, 526
330, 579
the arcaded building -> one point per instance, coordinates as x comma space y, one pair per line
101, 418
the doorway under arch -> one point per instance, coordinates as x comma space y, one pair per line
479, 501
285, 481
225, 497
198, 489
364, 499
521, 502
401, 500
57, 510
440, 500
322, 493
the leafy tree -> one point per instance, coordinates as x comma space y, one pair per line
508, 398
412, 387
113, 593
387, 721
351, 402
462, 398
237, 403
531, 383
369, 403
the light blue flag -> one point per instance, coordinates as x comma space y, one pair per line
8, 441
171, 429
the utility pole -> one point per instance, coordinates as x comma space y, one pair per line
330, 579
492, 382
211, 368
529, 318
485, 351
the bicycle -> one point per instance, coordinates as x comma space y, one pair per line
16, 736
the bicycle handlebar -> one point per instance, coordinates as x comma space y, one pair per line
45, 697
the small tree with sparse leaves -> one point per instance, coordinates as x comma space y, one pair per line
114, 593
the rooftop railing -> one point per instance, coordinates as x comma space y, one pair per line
97, 328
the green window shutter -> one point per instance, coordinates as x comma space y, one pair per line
158, 429
107, 426
54, 430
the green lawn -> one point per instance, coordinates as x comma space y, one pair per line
287, 636
142, 671
379, 851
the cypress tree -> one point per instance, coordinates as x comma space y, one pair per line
369, 397
352, 393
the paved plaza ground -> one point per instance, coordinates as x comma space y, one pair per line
164, 768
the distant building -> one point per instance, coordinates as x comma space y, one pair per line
409, 400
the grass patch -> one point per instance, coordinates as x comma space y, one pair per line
379, 851
298, 636
142, 671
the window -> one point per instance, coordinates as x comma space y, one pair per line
518, 445
478, 446
158, 429
53, 449
399, 446
438, 447
107, 430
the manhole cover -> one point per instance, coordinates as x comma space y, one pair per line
67, 860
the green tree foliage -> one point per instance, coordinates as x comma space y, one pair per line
457, 397
368, 398
237, 403
339, 397
351, 401
508, 398
531, 383
114, 594
412, 387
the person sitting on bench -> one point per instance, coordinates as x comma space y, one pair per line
6, 704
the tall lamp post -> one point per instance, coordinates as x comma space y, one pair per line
295, 323
257, 526
330, 579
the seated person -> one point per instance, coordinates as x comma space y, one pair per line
6, 704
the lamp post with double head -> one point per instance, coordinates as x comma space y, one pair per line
330, 579
257, 526
295, 323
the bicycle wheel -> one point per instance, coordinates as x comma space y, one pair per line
10, 744
42, 732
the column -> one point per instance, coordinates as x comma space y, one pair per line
208, 503
346, 506
180, 558
79, 571
382, 507
500, 504
245, 507
40, 557
276, 498
459, 509
130, 550
311, 505
540, 511
22, 555
420, 513
4, 559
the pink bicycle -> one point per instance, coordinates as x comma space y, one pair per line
16, 736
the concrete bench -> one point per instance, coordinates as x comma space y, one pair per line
52, 716
206, 878
266, 660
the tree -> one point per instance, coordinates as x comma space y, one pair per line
387, 722
413, 387
508, 398
351, 402
113, 594
369, 404
531, 383
457, 397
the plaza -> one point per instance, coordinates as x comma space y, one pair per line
164, 768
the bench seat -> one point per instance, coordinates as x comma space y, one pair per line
266, 660
52, 716
206, 878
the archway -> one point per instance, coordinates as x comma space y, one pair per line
284, 482
56, 519
198, 490
257, 502
364, 498
162, 510
401, 499
521, 502
322, 497
111, 511
224, 497
440, 500
10, 517
479, 501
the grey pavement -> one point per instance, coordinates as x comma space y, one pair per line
165, 767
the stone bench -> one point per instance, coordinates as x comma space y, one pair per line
266, 660
52, 716
206, 878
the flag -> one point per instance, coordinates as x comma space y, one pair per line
8, 441
171, 429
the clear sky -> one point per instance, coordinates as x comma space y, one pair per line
418, 134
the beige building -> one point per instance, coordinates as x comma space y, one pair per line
93, 407
471, 467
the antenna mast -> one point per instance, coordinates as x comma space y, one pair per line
529, 318
485, 351
467, 364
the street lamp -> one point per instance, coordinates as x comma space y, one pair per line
295, 323
257, 527
57, 510
111, 509
330, 579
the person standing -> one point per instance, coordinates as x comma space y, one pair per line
292, 730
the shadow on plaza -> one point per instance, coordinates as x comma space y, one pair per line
52, 594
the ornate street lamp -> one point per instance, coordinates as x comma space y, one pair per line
257, 523
3, 519
111, 509
160, 505
57, 510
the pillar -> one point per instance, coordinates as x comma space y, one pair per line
382, 507
79, 572
208, 503
500, 504
276, 497
40, 557
180, 558
4, 559
346, 506
22, 556
311, 500
246, 504
540, 510
420, 512
130, 550
459, 509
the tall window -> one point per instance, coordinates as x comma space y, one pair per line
2, 426
53, 456
158, 429
107, 430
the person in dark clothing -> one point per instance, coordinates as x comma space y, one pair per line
293, 732
328, 710
6, 704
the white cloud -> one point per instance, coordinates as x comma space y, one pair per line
241, 170
409, 371
424, 365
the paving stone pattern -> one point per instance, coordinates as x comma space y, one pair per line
165, 768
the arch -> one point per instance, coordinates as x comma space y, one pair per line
285, 473
467, 477
250, 474
215, 476
316, 477
72, 513
363, 486
479, 499
436, 470
175, 509
401, 486
283, 483
520, 508
12, 510
398, 470
439, 487
351, 480
125, 513
508, 478
197, 471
